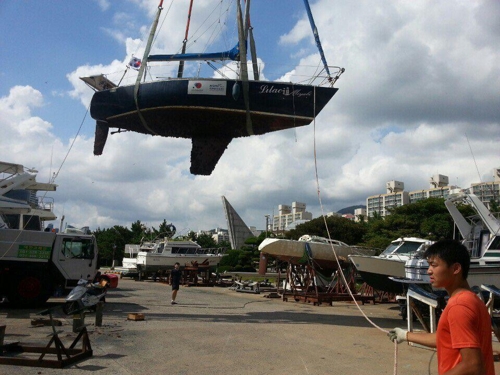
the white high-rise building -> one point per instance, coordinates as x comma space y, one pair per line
488, 191
289, 214
395, 196
439, 188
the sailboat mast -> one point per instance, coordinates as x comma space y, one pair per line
242, 34
253, 49
244, 67
143, 67
316, 38
184, 42
149, 43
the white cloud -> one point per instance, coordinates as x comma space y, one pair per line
103, 4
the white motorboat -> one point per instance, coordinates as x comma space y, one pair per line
162, 256
321, 251
377, 271
481, 236
129, 261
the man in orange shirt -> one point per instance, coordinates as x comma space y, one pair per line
463, 337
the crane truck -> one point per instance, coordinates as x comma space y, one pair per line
36, 262
37, 265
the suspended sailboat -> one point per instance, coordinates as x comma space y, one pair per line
210, 111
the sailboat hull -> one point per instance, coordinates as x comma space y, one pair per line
190, 108
322, 253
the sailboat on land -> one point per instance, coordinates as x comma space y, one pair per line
210, 111
323, 252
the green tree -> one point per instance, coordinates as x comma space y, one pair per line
137, 229
494, 208
224, 245
340, 229
428, 218
191, 235
166, 230
206, 241
111, 243
230, 260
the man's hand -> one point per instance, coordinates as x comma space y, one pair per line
397, 334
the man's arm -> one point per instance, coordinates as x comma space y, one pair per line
422, 338
472, 363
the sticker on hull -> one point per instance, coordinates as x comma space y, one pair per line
207, 88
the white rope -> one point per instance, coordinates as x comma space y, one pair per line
330, 238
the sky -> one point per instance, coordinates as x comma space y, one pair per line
419, 97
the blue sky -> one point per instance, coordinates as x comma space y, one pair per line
49, 39
420, 91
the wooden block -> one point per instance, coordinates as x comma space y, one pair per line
2, 336
135, 316
45, 322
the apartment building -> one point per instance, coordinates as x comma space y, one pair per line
378, 205
289, 214
439, 188
488, 191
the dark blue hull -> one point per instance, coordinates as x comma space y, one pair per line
179, 108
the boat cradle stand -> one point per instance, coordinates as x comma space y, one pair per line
198, 274
436, 304
493, 293
416, 293
65, 356
304, 288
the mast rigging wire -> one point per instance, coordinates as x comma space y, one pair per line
56, 174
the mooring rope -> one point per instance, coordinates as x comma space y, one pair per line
330, 238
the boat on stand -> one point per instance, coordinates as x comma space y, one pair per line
481, 236
398, 266
378, 271
161, 256
210, 111
128, 267
324, 252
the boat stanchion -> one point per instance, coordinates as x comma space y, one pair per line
63, 356
197, 274
306, 284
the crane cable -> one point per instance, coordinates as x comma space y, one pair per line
70, 147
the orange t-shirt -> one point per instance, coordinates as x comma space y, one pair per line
465, 323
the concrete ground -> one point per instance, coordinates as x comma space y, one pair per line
219, 331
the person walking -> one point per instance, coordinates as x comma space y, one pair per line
175, 280
463, 336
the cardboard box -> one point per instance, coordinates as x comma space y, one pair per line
135, 316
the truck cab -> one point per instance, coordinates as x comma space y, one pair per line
34, 265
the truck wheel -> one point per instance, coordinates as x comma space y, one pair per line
28, 291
